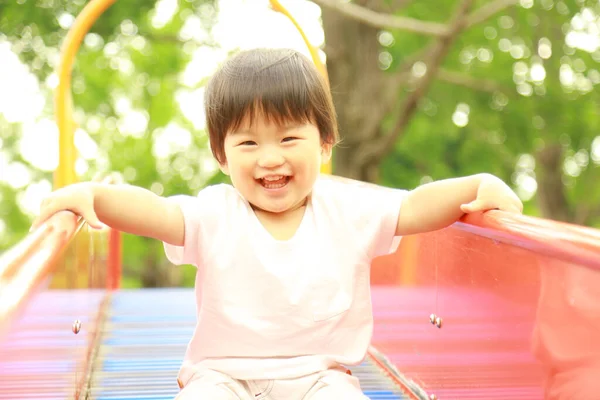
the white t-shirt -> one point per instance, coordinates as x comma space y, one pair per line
270, 309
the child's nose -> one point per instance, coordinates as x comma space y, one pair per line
270, 159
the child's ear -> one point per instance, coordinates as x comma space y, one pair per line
224, 168
326, 153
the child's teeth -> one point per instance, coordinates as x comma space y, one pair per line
274, 182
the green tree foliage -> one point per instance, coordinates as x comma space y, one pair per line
127, 62
514, 96
540, 122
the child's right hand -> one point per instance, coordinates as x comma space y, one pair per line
78, 198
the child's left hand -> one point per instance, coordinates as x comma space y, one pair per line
492, 194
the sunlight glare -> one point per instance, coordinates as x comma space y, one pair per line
596, 150
29, 200
170, 140
17, 175
20, 97
164, 12
39, 144
192, 106
86, 146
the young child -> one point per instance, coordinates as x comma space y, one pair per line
282, 254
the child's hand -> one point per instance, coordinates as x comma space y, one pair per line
492, 194
78, 198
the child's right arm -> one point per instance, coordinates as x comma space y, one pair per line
126, 208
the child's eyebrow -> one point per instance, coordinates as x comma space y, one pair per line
243, 132
281, 130
291, 125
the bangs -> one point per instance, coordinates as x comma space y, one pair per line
276, 92
280, 85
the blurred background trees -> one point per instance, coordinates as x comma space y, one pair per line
425, 90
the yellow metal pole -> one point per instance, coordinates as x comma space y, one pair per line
314, 53
63, 103
70, 274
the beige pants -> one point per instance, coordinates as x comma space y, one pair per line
332, 384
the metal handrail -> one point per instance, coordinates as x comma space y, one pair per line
560, 240
26, 268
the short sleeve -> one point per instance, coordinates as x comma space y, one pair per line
371, 210
198, 216
378, 214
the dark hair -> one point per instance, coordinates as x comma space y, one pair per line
281, 84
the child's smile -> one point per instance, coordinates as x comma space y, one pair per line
274, 165
274, 183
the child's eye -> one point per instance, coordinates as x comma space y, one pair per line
247, 143
289, 139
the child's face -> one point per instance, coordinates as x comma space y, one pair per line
274, 166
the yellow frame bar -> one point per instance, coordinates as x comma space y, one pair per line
63, 102
314, 53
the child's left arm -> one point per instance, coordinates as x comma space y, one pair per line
439, 204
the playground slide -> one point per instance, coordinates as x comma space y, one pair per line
494, 307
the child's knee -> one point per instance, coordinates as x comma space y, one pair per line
208, 391
337, 391
336, 385
211, 385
